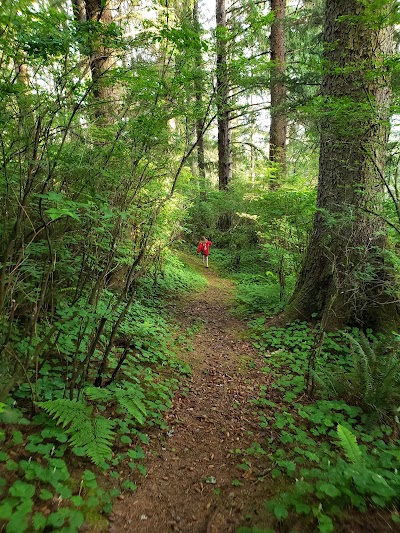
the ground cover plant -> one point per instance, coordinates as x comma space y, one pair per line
61, 457
333, 456
126, 128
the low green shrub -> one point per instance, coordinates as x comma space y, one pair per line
86, 424
171, 276
328, 454
371, 377
261, 295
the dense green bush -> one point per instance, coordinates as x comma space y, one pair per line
259, 294
314, 444
106, 425
258, 238
370, 378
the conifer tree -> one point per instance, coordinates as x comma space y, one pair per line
278, 127
345, 279
224, 134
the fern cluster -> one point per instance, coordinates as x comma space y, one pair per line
93, 433
130, 399
372, 380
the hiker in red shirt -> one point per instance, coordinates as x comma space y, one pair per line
204, 249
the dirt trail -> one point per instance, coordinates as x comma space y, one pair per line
188, 487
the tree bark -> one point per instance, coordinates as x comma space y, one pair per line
344, 279
79, 9
278, 127
224, 134
102, 62
198, 89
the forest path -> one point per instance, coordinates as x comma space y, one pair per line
188, 487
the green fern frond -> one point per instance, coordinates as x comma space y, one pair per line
361, 362
370, 349
349, 444
131, 401
93, 433
99, 394
65, 411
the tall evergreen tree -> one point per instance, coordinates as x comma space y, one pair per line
224, 134
101, 58
198, 88
278, 127
344, 278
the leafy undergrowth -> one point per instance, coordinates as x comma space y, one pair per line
64, 459
333, 459
259, 291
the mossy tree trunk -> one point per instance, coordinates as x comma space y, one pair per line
344, 279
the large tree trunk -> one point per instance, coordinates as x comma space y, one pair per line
102, 62
224, 134
278, 127
198, 89
344, 279
79, 9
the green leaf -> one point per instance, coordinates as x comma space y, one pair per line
137, 453
56, 519
45, 495
396, 518
64, 491
325, 524
22, 490
6, 510
379, 501
349, 444
395, 453
328, 488
107, 508
275, 473
76, 519
142, 469
77, 500
57, 433
39, 521
80, 452
93, 501
302, 508
93, 433
18, 521
128, 485
11, 465
280, 511
17, 437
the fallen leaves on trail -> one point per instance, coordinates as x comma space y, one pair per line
193, 482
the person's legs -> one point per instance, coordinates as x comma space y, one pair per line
207, 261
202, 258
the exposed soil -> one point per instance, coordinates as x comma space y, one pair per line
188, 487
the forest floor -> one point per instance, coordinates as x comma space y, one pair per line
194, 480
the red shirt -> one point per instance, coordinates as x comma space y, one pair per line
204, 247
